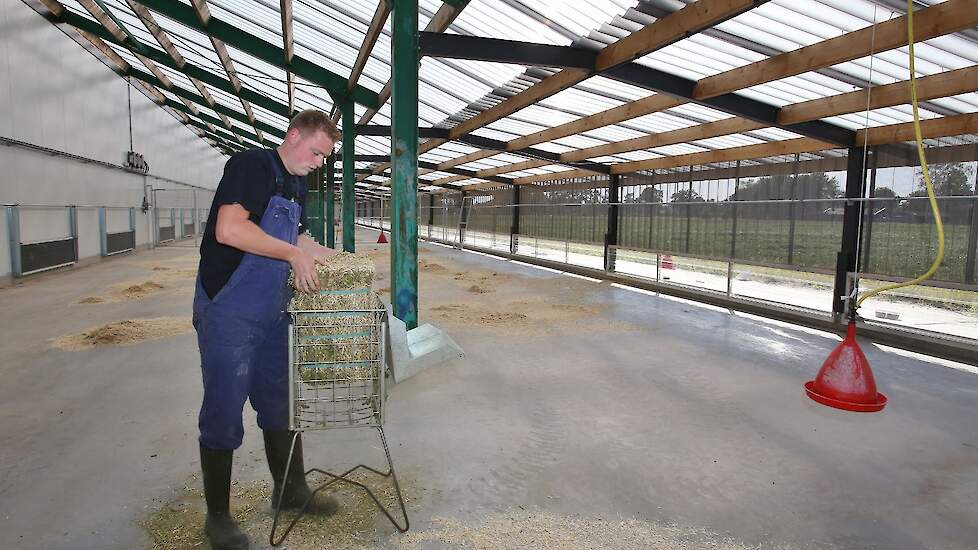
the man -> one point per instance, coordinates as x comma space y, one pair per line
254, 234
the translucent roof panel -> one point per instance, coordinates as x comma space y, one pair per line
454, 90
481, 19
251, 16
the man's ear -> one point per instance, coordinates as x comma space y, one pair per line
293, 136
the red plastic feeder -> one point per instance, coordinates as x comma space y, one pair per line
667, 262
845, 380
382, 239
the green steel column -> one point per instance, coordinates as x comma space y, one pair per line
314, 204
404, 162
349, 203
330, 199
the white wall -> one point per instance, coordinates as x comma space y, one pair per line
55, 94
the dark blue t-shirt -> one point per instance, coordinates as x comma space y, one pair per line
249, 181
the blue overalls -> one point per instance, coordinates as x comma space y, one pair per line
242, 334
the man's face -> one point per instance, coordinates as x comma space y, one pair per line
308, 151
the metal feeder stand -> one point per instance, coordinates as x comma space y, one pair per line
337, 371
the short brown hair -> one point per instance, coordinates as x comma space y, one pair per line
311, 120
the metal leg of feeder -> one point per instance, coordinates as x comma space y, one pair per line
278, 498
334, 478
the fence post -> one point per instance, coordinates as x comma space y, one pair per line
103, 238
611, 237
514, 229
73, 227
847, 260
13, 235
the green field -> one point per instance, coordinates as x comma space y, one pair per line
896, 248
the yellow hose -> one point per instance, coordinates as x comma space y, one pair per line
927, 181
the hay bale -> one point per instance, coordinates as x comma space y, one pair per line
334, 327
344, 271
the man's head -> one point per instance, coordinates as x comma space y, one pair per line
310, 138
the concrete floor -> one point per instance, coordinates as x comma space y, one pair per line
602, 402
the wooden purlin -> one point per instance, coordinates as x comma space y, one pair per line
662, 32
441, 20
932, 128
937, 20
285, 9
943, 84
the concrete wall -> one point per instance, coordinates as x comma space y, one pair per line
55, 94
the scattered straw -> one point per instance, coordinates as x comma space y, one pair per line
520, 530
476, 289
431, 266
141, 290
124, 333
525, 316
358, 524
91, 300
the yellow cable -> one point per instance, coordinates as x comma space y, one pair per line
927, 181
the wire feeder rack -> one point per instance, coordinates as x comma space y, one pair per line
337, 379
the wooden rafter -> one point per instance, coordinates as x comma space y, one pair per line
441, 20
110, 25
204, 15
683, 135
565, 174
933, 128
945, 84
676, 26
937, 20
660, 33
621, 113
289, 49
123, 68
515, 167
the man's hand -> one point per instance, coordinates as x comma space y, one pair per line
319, 253
304, 268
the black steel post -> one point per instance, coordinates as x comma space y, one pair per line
733, 214
689, 209
611, 237
514, 229
431, 213
330, 211
847, 260
969, 263
651, 209
463, 218
792, 197
868, 213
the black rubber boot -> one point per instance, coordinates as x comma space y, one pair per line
219, 527
296, 489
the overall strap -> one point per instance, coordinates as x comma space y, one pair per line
279, 176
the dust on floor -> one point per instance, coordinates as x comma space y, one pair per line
124, 333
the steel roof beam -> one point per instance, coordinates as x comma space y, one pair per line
477, 48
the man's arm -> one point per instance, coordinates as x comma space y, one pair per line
233, 228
